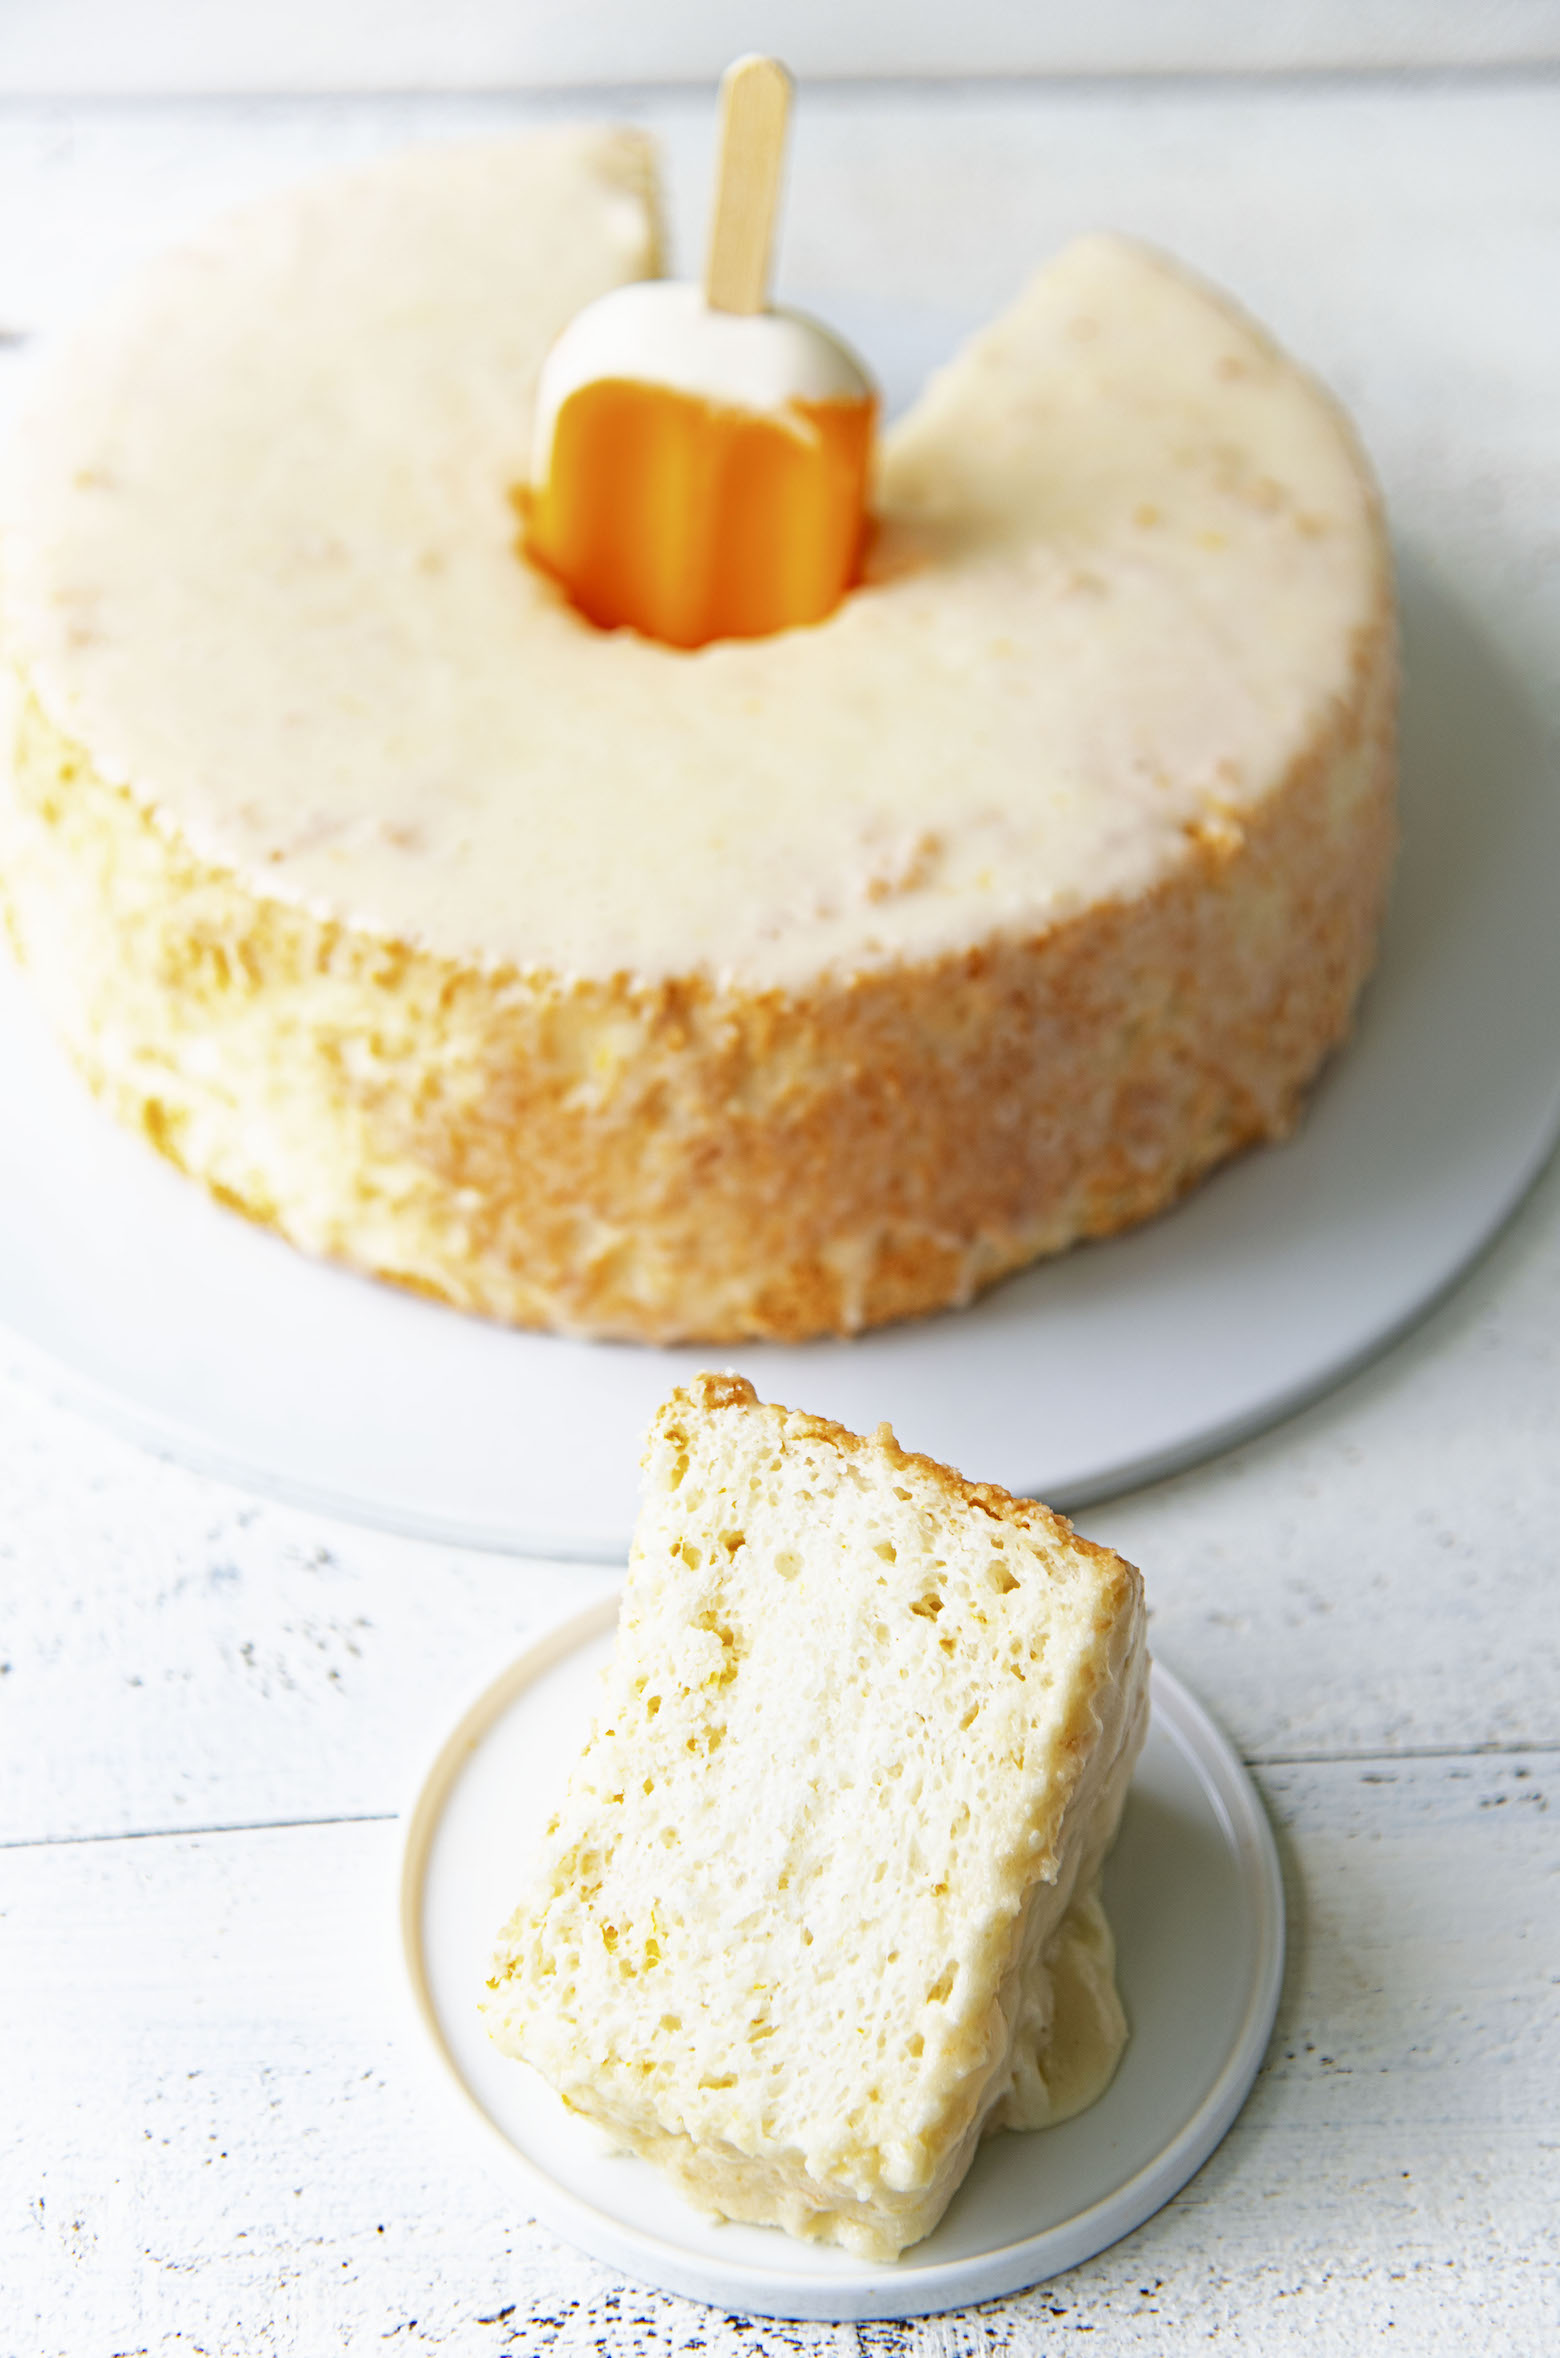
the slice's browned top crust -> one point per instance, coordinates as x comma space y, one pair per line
710, 1392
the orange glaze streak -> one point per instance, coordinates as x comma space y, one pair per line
690, 520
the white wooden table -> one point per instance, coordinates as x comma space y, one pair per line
216, 2132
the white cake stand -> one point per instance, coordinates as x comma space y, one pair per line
212, 1341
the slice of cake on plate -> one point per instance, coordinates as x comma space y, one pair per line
822, 1902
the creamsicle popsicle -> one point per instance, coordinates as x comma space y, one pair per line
700, 461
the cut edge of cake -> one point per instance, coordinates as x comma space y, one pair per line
821, 1905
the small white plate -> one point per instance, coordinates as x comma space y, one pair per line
1195, 1897
208, 1338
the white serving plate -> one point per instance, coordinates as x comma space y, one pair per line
1196, 1901
209, 1339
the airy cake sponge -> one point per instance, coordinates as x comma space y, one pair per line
820, 1905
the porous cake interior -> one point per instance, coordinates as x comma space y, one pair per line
820, 1903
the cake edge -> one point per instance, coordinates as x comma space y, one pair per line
675, 1161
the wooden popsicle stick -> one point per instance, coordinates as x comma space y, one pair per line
755, 96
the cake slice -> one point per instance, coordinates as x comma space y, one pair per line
822, 1901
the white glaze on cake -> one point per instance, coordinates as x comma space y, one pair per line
261, 560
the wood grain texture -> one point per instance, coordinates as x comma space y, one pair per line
218, 2131
1373, 1577
239, 2113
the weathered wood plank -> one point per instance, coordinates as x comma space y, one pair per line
218, 2125
1376, 1574
1374, 1577
164, 45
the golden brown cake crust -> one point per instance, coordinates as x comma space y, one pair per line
710, 1392
675, 1160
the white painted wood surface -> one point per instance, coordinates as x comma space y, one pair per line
104, 46
216, 2132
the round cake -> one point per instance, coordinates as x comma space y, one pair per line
777, 988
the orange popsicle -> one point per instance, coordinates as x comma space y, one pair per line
701, 460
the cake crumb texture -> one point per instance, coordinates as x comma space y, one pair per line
822, 1901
